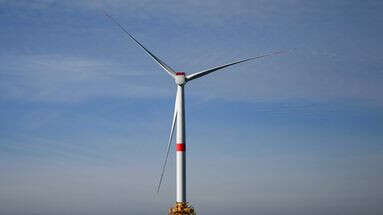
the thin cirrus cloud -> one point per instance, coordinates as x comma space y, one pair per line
61, 78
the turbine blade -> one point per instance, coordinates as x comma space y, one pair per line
168, 147
167, 68
205, 72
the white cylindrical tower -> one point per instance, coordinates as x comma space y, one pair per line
180, 146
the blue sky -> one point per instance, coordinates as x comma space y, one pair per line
85, 113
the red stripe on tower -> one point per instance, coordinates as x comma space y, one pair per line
180, 73
180, 147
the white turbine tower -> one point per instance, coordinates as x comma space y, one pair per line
181, 207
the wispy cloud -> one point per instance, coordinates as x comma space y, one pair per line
65, 78
62, 78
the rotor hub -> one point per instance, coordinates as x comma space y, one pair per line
180, 78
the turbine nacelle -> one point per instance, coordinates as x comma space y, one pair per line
180, 78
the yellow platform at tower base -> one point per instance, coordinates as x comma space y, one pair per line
181, 208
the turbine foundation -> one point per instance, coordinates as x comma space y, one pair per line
181, 208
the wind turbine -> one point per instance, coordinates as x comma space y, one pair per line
181, 207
